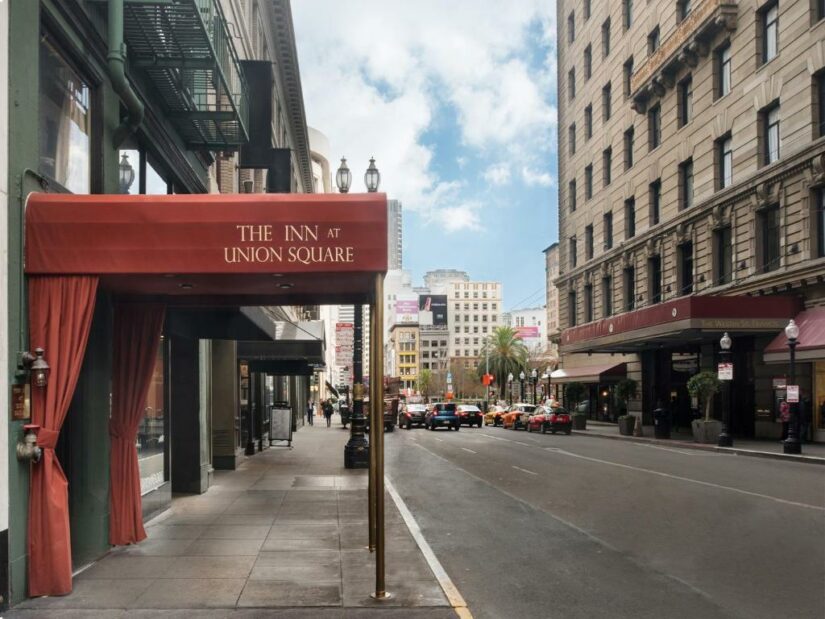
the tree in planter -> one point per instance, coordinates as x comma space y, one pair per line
626, 389
704, 386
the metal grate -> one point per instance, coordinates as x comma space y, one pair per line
185, 49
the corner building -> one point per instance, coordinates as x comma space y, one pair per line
692, 200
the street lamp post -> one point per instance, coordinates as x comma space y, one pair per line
791, 445
510, 386
521, 379
534, 375
725, 439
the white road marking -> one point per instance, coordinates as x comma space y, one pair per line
450, 590
684, 452
470, 450
692, 481
518, 468
440, 440
523, 444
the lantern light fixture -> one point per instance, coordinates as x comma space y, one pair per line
792, 331
126, 174
343, 177
372, 177
37, 366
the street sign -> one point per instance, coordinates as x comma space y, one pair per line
792, 394
725, 370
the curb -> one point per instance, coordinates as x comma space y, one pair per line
730, 450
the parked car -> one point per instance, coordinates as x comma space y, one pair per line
412, 415
470, 415
442, 415
389, 416
550, 419
494, 415
516, 416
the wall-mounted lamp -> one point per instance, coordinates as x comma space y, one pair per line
37, 367
27, 449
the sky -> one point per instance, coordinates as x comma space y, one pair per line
456, 100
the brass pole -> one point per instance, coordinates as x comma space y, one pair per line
374, 405
380, 587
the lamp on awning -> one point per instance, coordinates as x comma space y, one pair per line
343, 177
372, 177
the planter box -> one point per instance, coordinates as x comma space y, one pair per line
579, 422
706, 431
626, 425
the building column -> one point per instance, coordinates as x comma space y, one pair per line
224, 404
188, 473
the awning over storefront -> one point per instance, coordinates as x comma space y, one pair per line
684, 321
811, 342
589, 373
295, 349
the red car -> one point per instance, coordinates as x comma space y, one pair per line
555, 419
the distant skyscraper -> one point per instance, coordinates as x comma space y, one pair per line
394, 234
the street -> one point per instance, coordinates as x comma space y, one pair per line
532, 525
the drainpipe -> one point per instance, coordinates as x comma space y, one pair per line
117, 73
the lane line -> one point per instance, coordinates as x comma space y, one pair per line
454, 596
518, 468
470, 450
684, 452
692, 481
440, 440
523, 444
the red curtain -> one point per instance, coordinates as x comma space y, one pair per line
137, 331
60, 316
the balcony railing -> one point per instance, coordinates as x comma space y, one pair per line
186, 51
684, 47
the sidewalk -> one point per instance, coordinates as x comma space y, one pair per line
812, 453
286, 532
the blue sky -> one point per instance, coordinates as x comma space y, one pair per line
457, 103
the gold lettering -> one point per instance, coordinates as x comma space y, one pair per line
300, 233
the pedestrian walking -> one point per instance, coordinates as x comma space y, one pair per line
310, 412
327, 406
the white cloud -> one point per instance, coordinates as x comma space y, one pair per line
537, 177
497, 174
458, 218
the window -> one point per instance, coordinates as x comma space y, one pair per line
571, 307
607, 296
587, 9
769, 235
683, 9
571, 27
723, 256
769, 125
654, 127
819, 104
588, 62
588, 122
628, 148
685, 267
607, 166
626, 75
654, 278
571, 83
629, 289
571, 138
722, 69
606, 38
588, 303
819, 221
724, 161
818, 10
608, 230
588, 182
685, 101
653, 41
588, 242
606, 102
573, 256
686, 184
629, 218
769, 31
65, 122
655, 199
571, 195
627, 13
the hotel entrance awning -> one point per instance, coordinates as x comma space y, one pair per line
811, 341
685, 321
589, 373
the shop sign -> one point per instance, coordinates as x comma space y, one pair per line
779, 383
725, 370
793, 394
20, 402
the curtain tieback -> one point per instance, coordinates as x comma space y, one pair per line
47, 439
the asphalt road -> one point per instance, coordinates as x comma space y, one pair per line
531, 525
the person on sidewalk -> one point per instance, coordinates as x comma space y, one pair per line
327, 406
310, 412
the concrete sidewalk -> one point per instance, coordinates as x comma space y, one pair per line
812, 453
285, 535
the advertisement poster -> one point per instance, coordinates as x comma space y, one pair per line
406, 309
528, 333
344, 332
432, 310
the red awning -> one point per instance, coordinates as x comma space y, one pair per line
589, 373
246, 249
810, 344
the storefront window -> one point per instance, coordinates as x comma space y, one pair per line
819, 395
151, 438
64, 123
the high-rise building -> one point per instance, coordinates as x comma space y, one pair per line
692, 200
551, 263
395, 236
473, 311
438, 280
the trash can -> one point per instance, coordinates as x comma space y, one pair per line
661, 423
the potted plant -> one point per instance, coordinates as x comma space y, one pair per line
626, 390
704, 386
575, 392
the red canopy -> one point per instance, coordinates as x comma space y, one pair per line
811, 341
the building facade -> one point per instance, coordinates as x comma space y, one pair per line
551, 269
474, 309
404, 343
691, 166
395, 234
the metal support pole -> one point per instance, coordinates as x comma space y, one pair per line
380, 586
356, 451
792, 444
725, 439
375, 420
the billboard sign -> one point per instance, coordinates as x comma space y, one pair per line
433, 309
528, 333
344, 336
406, 309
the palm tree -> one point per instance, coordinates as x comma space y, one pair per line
507, 354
